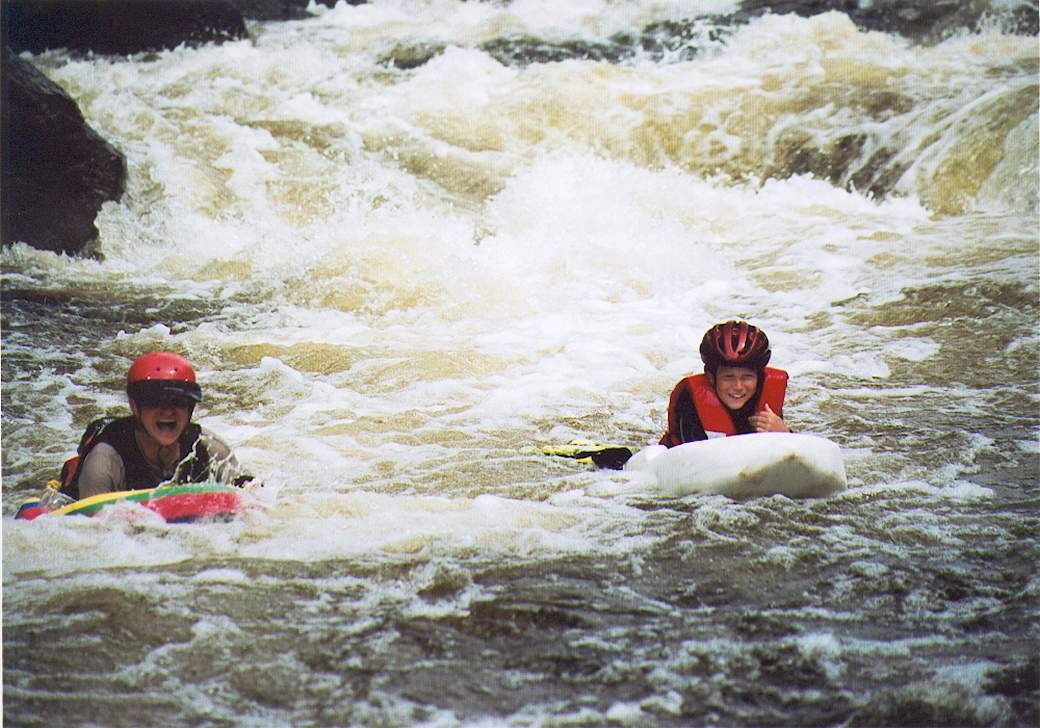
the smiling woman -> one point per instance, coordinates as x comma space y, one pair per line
158, 443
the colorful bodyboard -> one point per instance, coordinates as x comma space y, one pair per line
175, 503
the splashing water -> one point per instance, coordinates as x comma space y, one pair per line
405, 242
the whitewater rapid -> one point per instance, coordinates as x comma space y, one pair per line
403, 260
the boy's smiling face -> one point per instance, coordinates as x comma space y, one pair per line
735, 386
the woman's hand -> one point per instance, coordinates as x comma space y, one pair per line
767, 421
248, 482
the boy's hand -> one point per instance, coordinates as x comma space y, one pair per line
767, 421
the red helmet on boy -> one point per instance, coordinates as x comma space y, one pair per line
735, 343
162, 373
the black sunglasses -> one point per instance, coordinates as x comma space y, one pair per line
166, 400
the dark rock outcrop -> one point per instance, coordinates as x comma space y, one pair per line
119, 27
56, 170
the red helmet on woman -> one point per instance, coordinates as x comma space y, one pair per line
734, 343
162, 373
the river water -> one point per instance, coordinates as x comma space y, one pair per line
408, 244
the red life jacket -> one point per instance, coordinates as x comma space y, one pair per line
715, 416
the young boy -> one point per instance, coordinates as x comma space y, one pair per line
157, 443
737, 394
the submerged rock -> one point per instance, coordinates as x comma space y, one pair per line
919, 20
283, 9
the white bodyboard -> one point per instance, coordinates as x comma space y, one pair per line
762, 464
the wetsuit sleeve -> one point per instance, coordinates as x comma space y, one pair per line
223, 465
690, 428
101, 471
689, 424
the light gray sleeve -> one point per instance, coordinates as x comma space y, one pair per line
101, 471
223, 466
